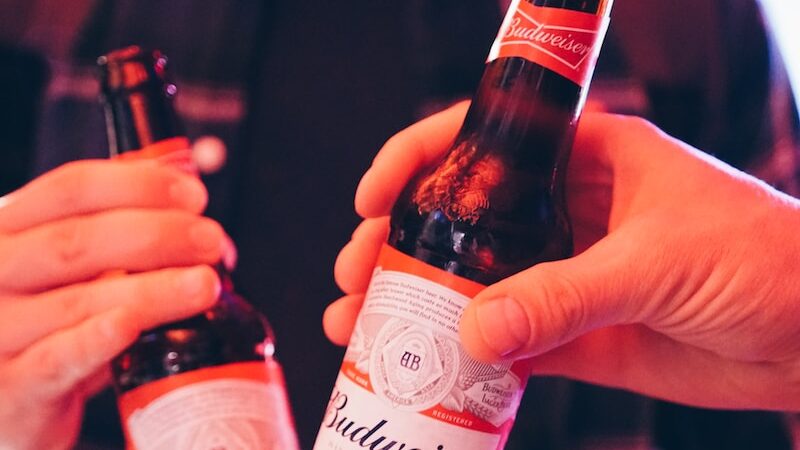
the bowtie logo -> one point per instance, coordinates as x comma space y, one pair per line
564, 41
569, 45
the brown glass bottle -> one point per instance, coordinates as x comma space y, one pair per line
492, 207
522, 120
223, 359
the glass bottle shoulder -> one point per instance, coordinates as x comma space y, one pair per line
232, 331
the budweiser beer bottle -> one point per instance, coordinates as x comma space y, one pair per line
210, 381
493, 207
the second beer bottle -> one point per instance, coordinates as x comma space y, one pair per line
210, 381
492, 207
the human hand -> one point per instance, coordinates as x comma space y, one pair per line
91, 254
685, 285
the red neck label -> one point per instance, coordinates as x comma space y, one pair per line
564, 41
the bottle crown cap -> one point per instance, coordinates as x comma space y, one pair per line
130, 68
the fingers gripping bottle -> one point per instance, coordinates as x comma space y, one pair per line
210, 381
492, 207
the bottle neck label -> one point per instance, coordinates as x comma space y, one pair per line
564, 41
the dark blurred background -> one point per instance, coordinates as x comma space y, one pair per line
305, 93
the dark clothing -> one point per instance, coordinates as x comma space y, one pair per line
304, 95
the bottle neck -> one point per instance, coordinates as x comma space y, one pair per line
526, 114
141, 121
137, 99
525, 110
144, 119
139, 118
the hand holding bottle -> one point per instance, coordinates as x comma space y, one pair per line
685, 284
62, 315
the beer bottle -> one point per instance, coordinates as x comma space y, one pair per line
492, 207
210, 381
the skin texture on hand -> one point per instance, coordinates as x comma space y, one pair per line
92, 254
685, 285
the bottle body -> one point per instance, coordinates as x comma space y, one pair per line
492, 207
209, 381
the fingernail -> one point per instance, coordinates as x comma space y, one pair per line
229, 253
206, 236
503, 324
189, 193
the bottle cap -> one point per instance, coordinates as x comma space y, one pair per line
130, 68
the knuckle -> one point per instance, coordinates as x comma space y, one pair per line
566, 302
73, 304
159, 179
66, 242
626, 126
64, 304
51, 368
407, 142
636, 124
73, 182
397, 140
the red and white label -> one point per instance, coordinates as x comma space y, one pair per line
566, 42
405, 377
234, 406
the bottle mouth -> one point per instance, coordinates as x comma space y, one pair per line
130, 68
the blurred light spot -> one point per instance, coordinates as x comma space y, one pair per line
209, 153
784, 17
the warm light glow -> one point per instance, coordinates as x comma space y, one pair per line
181, 336
209, 154
784, 17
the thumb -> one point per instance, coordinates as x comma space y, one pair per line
551, 304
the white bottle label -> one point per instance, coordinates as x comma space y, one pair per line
240, 406
406, 383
